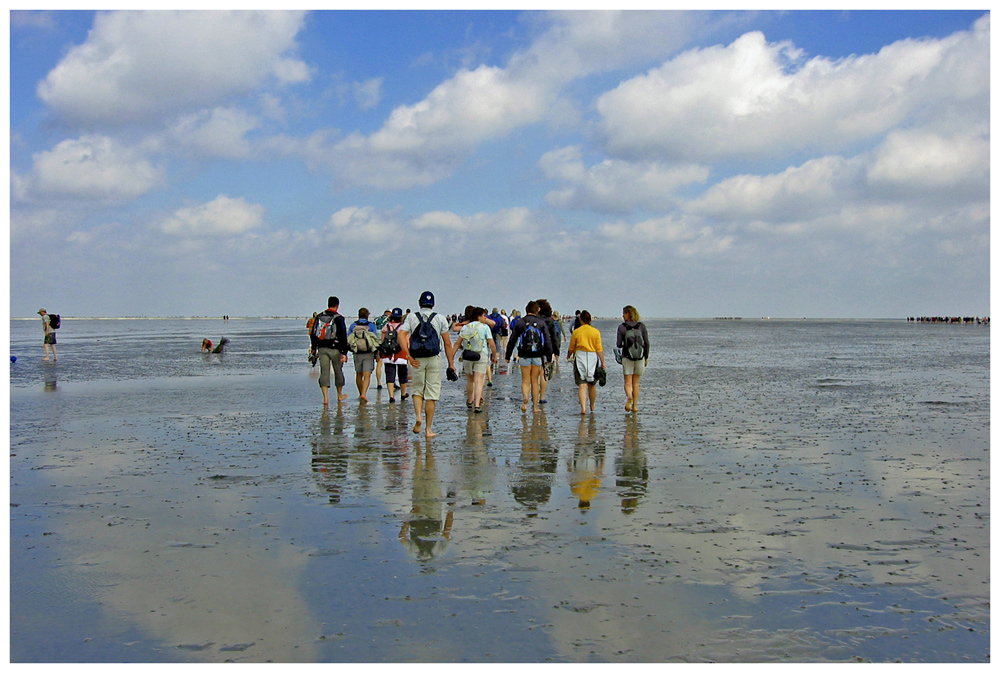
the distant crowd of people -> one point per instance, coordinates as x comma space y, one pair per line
408, 348
964, 320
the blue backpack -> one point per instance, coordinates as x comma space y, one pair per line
425, 342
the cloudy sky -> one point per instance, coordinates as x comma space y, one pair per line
785, 164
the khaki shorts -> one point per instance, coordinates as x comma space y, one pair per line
425, 380
636, 367
479, 366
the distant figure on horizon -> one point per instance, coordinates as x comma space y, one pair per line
49, 340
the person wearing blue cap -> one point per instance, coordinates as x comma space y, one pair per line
420, 337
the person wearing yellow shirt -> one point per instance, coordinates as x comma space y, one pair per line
586, 349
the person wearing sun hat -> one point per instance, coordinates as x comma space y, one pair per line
49, 341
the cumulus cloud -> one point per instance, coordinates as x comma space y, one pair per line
425, 142
754, 99
220, 132
91, 168
224, 216
915, 162
675, 234
137, 65
615, 186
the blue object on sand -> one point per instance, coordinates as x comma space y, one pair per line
13, 359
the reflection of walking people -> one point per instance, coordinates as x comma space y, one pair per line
49, 340
586, 348
633, 341
420, 337
426, 532
329, 341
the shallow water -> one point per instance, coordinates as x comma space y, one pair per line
788, 491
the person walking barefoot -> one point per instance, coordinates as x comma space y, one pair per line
587, 350
633, 342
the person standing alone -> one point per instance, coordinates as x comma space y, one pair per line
49, 341
329, 342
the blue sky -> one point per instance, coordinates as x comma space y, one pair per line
693, 164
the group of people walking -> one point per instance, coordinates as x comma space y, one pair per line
408, 348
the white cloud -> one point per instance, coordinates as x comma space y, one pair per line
367, 94
90, 168
758, 99
615, 186
680, 235
220, 132
817, 187
422, 143
137, 65
916, 162
224, 216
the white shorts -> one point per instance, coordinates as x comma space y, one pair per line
636, 367
586, 365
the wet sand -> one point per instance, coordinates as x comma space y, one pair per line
781, 495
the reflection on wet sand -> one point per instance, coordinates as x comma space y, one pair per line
756, 518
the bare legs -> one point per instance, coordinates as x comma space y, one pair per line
424, 407
584, 394
530, 387
631, 392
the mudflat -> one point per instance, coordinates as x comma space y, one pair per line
809, 491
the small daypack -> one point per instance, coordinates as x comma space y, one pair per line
425, 341
532, 341
324, 327
390, 343
473, 349
359, 340
54, 320
634, 346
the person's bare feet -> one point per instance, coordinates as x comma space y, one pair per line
417, 426
430, 434
341, 397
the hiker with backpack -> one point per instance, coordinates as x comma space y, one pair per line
479, 352
549, 361
328, 339
50, 323
633, 341
392, 357
363, 340
421, 336
533, 342
586, 349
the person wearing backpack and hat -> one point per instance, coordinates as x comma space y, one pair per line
392, 357
49, 340
420, 337
363, 339
633, 342
329, 342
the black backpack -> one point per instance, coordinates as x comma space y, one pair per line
425, 342
634, 346
54, 320
390, 343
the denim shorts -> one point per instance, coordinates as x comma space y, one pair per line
524, 362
